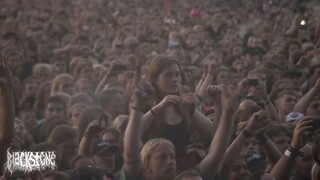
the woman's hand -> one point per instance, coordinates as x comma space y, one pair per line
168, 101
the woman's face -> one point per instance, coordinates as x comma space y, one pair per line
223, 77
162, 163
169, 79
75, 116
239, 170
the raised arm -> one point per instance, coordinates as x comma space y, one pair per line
132, 137
283, 168
203, 124
208, 78
305, 101
92, 130
254, 123
268, 106
209, 165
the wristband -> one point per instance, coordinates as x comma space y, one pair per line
246, 134
295, 152
287, 153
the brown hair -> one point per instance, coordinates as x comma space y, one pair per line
56, 82
156, 66
62, 133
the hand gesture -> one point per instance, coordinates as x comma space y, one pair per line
257, 121
215, 93
213, 66
302, 127
142, 94
242, 87
93, 129
229, 98
168, 101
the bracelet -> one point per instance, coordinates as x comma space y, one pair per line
287, 153
295, 152
154, 113
246, 134
137, 109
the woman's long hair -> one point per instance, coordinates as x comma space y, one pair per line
156, 67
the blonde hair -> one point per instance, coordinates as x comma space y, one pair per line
57, 81
74, 62
148, 149
75, 106
120, 123
42, 68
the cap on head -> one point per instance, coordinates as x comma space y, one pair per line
294, 116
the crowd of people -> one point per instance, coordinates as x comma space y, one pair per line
162, 90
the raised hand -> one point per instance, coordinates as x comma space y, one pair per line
93, 129
229, 98
257, 121
215, 93
242, 87
142, 95
213, 66
302, 128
